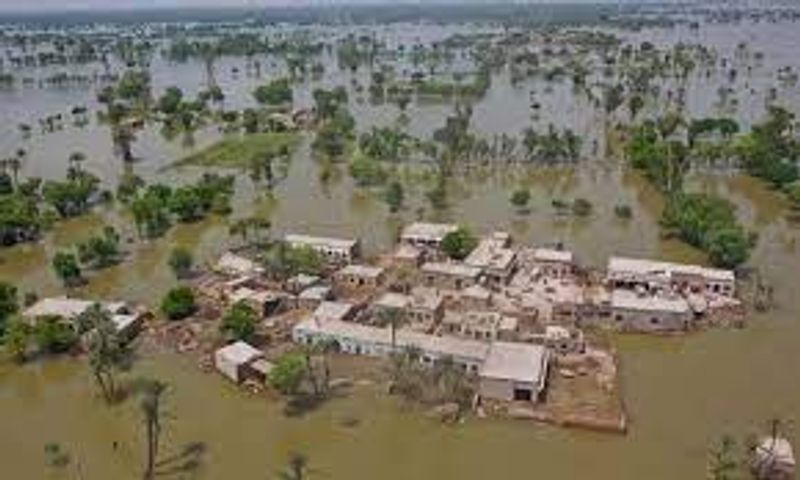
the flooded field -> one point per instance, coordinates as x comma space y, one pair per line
681, 394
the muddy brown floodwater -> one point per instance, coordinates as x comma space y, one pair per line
682, 394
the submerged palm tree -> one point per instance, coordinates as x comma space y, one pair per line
297, 469
153, 391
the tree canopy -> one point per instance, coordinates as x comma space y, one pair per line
178, 303
459, 243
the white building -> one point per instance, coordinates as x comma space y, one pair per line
239, 361
480, 325
407, 254
361, 339
514, 372
554, 263
333, 311
423, 307
232, 264
126, 319
663, 276
450, 275
359, 276
506, 371
312, 297
634, 311
334, 250
426, 235
302, 281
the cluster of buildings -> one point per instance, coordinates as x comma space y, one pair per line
503, 314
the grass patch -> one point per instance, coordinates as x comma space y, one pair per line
239, 151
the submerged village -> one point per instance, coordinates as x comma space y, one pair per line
511, 322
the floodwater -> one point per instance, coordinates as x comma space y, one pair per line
682, 394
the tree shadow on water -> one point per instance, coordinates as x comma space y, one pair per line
188, 460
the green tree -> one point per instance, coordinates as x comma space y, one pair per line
709, 223
239, 322
728, 247
288, 373
367, 172
53, 335
134, 85
771, 151
178, 303
71, 197
328, 102
302, 259
394, 196
276, 92
67, 269
582, 207
520, 198
171, 100
186, 204
9, 304
459, 243
17, 338
723, 464
181, 261
100, 251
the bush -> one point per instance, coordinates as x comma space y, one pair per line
178, 303
54, 336
623, 211
8, 303
275, 93
582, 207
180, 261
239, 323
288, 373
520, 198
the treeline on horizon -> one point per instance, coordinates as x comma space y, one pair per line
343, 13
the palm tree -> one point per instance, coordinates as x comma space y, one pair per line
107, 351
209, 54
153, 391
392, 317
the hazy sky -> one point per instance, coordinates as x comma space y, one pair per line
39, 5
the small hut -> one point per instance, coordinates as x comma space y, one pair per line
240, 361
